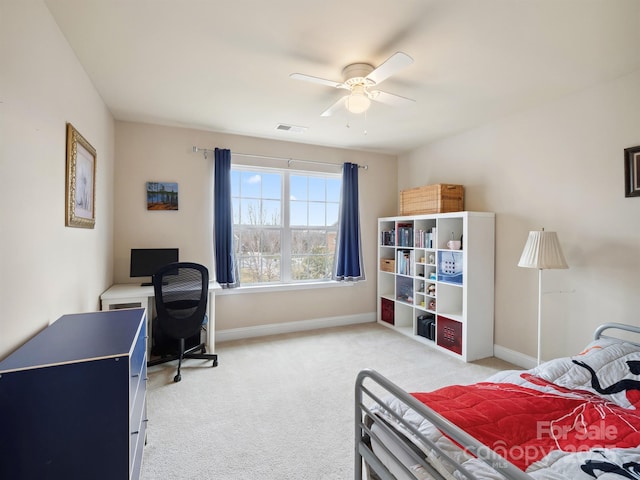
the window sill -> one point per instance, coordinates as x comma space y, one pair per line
281, 287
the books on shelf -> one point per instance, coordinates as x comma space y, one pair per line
404, 262
425, 238
405, 235
388, 238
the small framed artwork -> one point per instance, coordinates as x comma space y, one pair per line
632, 172
81, 181
162, 196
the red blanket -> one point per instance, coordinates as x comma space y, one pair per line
524, 425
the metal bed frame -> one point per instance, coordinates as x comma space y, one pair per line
366, 399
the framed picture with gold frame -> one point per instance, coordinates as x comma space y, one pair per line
81, 181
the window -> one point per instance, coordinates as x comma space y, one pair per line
286, 224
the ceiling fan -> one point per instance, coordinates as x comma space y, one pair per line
359, 79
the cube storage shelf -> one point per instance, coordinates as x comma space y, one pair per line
436, 295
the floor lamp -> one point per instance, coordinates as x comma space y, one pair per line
542, 251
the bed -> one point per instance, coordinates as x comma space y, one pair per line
569, 418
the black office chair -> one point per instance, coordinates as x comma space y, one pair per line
181, 294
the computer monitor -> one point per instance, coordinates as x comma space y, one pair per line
145, 261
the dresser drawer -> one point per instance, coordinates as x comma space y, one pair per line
138, 364
137, 382
137, 446
138, 405
139, 350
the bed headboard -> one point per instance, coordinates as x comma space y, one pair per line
617, 326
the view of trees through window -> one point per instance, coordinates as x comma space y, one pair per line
285, 224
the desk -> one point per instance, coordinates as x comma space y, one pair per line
133, 295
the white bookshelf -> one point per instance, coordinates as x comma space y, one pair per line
420, 276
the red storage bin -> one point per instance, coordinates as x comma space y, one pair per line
449, 334
387, 308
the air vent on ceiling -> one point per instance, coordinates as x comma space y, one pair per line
291, 128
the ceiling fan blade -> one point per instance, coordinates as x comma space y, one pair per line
391, 65
390, 98
321, 81
335, 107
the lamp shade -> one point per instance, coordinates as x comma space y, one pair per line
358, 101
542, 251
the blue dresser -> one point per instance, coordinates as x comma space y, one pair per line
73, 400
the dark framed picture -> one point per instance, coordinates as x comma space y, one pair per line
81, 181
162, 196
632, 172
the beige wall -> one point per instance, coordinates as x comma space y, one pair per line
559, 166
46, 269
156, 153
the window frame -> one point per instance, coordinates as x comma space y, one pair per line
286, 281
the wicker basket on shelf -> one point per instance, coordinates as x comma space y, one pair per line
387, 265
438, 198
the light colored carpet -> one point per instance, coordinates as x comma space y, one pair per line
281, 407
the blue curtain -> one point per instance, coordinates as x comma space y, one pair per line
348, 261
226, 272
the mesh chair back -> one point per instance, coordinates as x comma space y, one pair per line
181, 293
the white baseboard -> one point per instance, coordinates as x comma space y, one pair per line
291, 327
517, 358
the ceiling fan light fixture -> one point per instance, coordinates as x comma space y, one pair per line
357, 79
358, 101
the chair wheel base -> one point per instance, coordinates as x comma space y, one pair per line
177, 378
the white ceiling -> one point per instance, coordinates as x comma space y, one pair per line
224, 65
